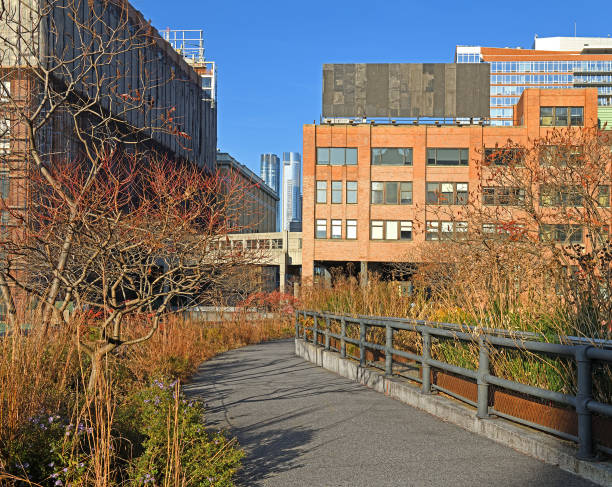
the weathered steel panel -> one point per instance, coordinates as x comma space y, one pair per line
406, 90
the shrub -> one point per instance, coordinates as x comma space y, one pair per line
177, 449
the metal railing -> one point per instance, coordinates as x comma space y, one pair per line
583, 351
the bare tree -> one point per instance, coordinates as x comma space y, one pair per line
81, 80
540, 218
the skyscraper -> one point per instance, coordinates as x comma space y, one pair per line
270, 173
553, 62
292, 191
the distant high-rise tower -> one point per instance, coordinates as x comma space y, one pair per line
292, 191
270, 173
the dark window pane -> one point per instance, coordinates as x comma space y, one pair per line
577, 116
448, 157
391, 193
322, 155
408, 156
431, 156
391, 156
546, 116
376, 156
336, 155
433, 190
351, 157
561, 116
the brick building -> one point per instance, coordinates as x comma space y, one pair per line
366, 184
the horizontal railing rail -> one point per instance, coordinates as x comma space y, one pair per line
582, 350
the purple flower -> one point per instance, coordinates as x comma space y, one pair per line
52, 464
51, 419
59, 482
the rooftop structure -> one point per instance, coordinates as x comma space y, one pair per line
554, 62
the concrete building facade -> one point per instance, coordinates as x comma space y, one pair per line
366, 185
292, 191
258, 213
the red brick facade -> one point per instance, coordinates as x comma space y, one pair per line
364, 137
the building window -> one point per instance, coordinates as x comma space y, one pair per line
376, 230
561, 116
336, 190
337, 156
378, 192
351, 192
336, 229
388, 156
351, 229
445, 230
561, 233
321, 191
406, 230
447, 157
5, 136
502, 196
503, 156
391, 193
5, 91
4, 185
603, 196
560, 195
406, 193
321, 229
447, 193
390, 230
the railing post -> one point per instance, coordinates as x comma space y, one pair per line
342, 340
297, 324
326, 333
388, 348
315, 333
585, 394
425, 367
483, 385
304, 327
362, 338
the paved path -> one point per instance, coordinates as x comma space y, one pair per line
304, 426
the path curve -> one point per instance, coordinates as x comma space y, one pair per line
304, 426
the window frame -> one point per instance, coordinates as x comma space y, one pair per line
455, 197
320, 223
440, 225
336, 193
336, 224
354, 191
324, 156
376, 156
319, 190
461, 162
496, 193
384, 193
350, 224
561, 116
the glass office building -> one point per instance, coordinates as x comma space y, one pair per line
292, 190
553, 62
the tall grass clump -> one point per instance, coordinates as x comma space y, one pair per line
136, 427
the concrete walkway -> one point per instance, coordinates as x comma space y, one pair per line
304, 426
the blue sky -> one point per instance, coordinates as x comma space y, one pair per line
270, 53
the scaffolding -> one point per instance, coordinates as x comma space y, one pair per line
190, 45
